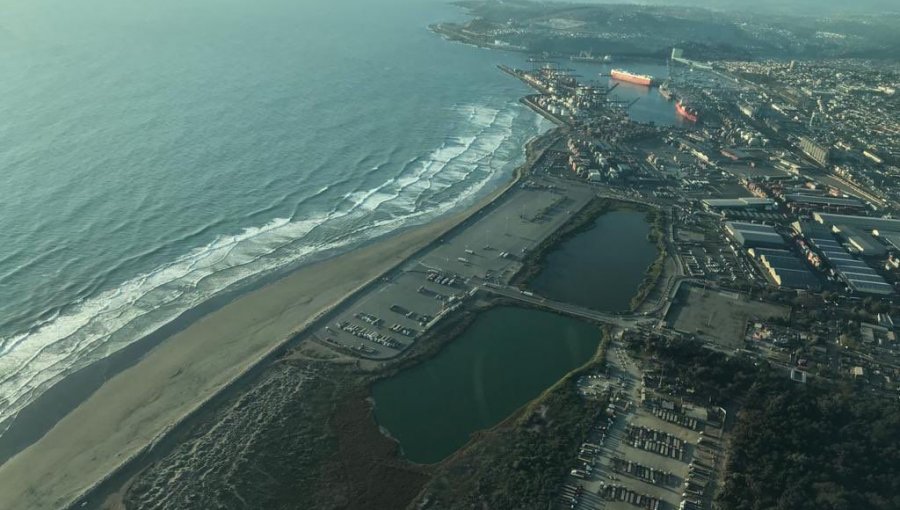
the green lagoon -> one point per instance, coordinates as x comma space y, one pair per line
505, 359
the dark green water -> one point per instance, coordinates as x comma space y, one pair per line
505, 359
601, 268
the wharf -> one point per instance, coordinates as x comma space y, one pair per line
521, 75
531, 103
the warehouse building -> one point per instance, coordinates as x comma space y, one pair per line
861, 241
858, 275
892, 239
752, 235
807, 201
811, 230
786, 269
718, 204
864, 222
816, 151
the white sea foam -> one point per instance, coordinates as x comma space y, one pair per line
32, 361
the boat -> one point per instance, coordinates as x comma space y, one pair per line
665, 91
587, 56
637, 79
686, 111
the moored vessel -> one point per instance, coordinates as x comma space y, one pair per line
665, 91
628, 77
686, 111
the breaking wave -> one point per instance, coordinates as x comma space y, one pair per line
488, 144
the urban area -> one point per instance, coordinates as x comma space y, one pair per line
774, 193
756, 366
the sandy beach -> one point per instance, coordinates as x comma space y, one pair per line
134, 408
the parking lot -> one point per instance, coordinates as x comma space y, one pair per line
707, 253
387, 320
717, 316
643, 453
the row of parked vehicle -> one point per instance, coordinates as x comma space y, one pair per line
372, 336
620, 493
655, 441
676, 418
647, 474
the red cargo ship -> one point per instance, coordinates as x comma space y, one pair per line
686, 111
637, 79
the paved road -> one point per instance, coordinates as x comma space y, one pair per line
625, 321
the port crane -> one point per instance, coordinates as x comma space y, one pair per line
557, 73
537, 63
601, 88
627, 104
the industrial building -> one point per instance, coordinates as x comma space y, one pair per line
858, 275
863, 222
816, 152
871, 237
786, 269
892, 239
718, 204
752, 235
861, 241
746, 154
824, 202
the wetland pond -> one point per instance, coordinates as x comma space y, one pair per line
602, 267
503, 360
509, 355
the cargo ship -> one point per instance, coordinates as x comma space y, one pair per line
686, 111
637, 79
665, 91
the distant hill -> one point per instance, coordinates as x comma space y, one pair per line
795, 7
641, 29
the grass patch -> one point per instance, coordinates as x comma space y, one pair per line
657, 235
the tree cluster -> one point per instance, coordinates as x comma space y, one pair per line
811, 447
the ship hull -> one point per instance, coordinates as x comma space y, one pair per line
687, 114
637, 79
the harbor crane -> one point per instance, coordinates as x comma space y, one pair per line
537, 63
627, 104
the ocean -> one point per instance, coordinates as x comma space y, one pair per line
155, 154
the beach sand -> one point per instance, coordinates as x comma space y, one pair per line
137, 407
132, 409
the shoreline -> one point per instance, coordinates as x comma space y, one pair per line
119, 403
455, 32
39, 416
357, 397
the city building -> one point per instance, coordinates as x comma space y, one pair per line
816, 152
718, 204
861, 241
752, 235
856, 274
864, 222
786, 269
824, 202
